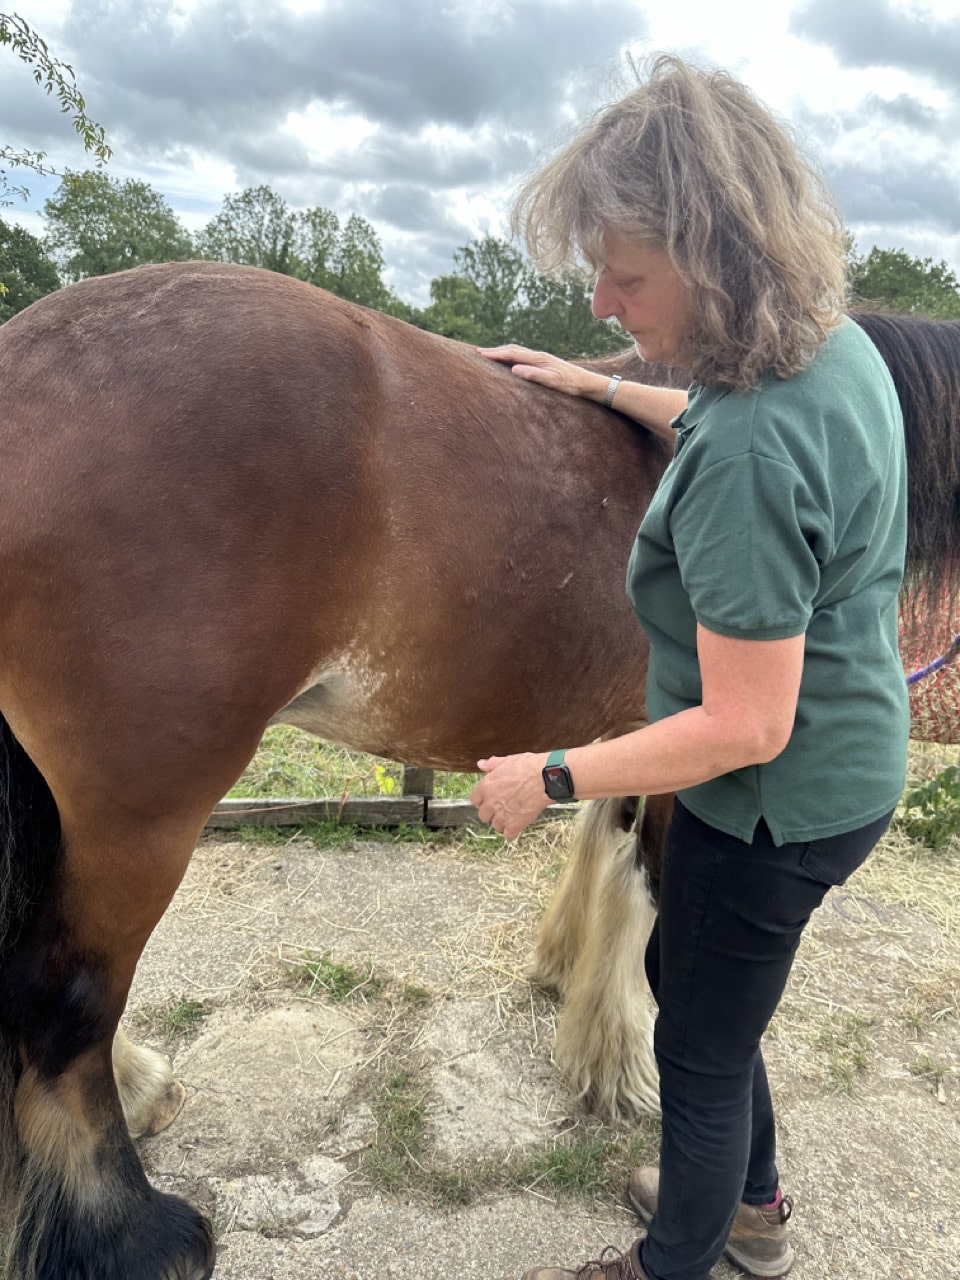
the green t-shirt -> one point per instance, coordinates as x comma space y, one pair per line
783, 513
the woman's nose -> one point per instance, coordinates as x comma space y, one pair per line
605, 302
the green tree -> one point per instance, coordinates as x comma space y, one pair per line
496, 270
894, 278
497, 296
57, 80
317, 246
454, 310
556, 316
255, 227
358, 265
26, 273
97, 225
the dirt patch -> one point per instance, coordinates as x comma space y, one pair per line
372, 1138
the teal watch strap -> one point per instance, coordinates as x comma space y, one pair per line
556, 778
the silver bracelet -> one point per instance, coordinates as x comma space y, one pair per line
611, 390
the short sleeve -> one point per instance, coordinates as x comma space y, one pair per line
749, 542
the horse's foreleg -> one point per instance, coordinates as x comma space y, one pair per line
604, 1043
150, 1096
85, 1210
598, 831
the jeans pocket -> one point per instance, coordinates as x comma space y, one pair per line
834, 859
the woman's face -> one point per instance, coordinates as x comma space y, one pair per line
640, 288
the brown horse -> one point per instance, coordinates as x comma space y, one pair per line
226, 500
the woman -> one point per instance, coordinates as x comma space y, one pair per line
766, 573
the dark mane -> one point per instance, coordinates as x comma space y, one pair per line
924, 358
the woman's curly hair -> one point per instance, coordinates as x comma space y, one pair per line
691, 163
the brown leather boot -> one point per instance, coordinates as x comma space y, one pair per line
758, 1238
611, 1265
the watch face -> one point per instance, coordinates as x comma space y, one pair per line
557, 782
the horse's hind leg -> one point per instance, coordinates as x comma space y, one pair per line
85, 1209
150, 1096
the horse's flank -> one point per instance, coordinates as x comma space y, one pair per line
244, 493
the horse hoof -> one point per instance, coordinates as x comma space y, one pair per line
165, 1110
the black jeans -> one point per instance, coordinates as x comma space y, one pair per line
730, 918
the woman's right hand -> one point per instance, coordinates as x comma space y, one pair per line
549, 371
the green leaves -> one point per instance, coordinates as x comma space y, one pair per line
57, 80
496, 296
931, 812
906, 284
26, 273
97, 225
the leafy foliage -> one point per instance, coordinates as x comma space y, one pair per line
258, 228
496, 296
97, 225
26, 273
57, 80
906, 284
931, 812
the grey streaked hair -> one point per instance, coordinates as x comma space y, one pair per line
692, 163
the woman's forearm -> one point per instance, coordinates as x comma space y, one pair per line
683, 750
652, 407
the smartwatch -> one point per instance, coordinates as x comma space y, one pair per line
556, 778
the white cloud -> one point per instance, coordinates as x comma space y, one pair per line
423, 116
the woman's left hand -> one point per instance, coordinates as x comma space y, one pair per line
511, 795
549, 371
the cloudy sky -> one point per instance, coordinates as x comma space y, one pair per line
422, 115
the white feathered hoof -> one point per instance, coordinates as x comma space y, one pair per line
150, 1096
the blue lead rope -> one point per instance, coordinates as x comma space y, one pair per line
937, 663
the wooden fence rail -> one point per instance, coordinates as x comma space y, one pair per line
415, 806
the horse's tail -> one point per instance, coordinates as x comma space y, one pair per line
924, 358
29, 845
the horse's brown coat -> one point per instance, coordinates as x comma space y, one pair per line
228, 487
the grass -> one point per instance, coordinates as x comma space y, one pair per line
290, 762
845, 1039
589, 1163
934, 999
332, 834
338, 981
177, 1017
933, 1069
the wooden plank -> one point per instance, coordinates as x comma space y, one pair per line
417, 781
378, 811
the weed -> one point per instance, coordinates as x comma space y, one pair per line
262, 835
289, 762
179, 1016
931, 812
339, 982
413, 994
398, 1145
846, 1041
932, 1069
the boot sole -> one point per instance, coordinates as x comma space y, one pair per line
783, 1267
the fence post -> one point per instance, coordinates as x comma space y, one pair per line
417, 781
